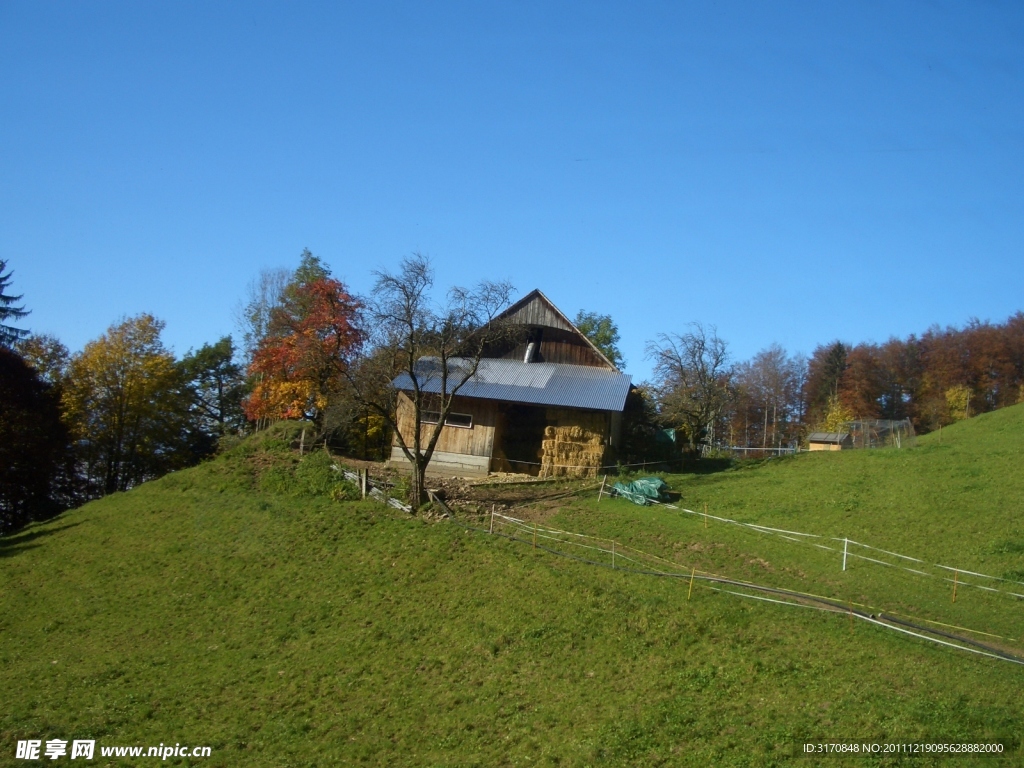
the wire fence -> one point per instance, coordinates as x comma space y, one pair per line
843, 546
375, 490
606, 552
746, 451
599, 468
881, 433
961, 577
610, 553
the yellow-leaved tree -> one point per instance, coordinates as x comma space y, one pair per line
125, 401
837, 414
958, 401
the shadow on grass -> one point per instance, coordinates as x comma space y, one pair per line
688, 466
22, 541
708, 466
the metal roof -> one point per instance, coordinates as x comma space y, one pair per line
557, 384
827, 437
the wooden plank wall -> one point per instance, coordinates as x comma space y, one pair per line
538, 313
556, 346
477, 441
558, 352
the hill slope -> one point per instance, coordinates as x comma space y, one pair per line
957, 499
236, 605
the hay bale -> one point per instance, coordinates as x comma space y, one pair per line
578, 458
575, 425
571, 433
551, 470
573, 448
577, 435
563, 449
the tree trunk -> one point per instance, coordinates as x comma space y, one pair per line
418, 492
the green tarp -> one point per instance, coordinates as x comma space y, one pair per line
641, 491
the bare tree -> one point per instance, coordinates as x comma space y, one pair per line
254, 311
433, 348
692, 374
771, 378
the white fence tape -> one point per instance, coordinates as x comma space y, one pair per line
779, 532
532, 529
787, 534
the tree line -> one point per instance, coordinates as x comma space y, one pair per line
125, 409
775, 399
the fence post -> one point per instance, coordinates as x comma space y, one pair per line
956, 573
705, 514
491, 529
690, 590
845, 543
601, 492
302, 442
613, 554
534, 535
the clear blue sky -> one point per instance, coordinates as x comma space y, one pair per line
789, 172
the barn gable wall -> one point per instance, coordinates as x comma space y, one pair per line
537, 311
555, 346
559, 340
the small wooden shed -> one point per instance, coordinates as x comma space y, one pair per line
829, 441
548, 404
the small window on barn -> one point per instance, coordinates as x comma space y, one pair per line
462, 420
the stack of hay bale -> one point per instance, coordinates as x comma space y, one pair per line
573, 445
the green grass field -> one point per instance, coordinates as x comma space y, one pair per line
247, 606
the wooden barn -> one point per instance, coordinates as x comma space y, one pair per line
549, 404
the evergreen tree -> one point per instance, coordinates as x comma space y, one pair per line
216, 386
825, 377
8, 311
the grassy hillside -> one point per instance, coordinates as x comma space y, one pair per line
957, 499
247, 606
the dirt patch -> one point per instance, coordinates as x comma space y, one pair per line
534, 500
513, 494
698, 547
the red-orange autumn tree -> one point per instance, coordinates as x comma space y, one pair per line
312, 337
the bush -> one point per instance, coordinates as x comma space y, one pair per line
314, 475
318, 475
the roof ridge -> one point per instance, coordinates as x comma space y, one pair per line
539, 294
